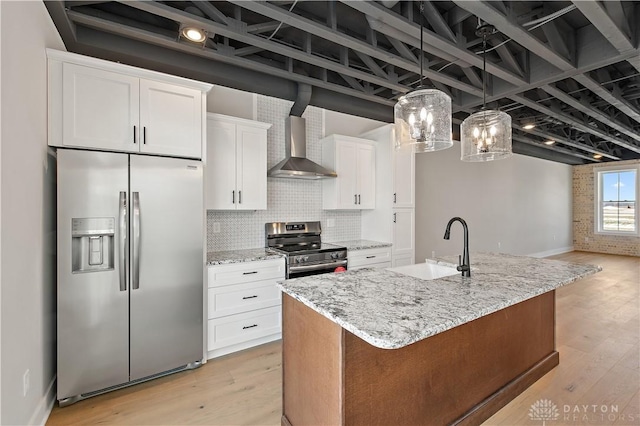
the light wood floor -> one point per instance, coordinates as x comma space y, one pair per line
598, 333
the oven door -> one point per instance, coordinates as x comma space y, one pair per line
297, 271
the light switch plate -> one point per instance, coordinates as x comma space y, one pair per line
216, 227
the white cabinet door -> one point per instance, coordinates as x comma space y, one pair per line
236, 172
171, 119
366, 165
346, 168
99, 109
220, 171
354, 161
403, 179
403, 232
251, 180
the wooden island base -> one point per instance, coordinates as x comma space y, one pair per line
460, 376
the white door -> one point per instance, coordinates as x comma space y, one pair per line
346, 168
251, 175
403, 179
403, 232
99, 109
171, 119
366, 177
220, 172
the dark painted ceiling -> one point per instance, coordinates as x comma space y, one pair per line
573, 68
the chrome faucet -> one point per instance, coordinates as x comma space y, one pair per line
463, 264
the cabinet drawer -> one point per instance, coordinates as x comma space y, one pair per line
369, 257
245, 272
234, 329
234, 299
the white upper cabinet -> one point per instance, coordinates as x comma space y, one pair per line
171, 119
353, 160
99, 108
236, 170
98, 104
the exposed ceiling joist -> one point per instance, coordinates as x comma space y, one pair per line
612, 98
590, 111
574, 122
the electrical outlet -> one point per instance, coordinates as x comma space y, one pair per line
216, 227
586, 239
26, 379
331, 223
554, 238
499, 244
433, 254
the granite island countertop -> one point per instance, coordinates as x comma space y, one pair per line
239, 256
390, 310
360, 244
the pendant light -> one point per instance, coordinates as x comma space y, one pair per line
486, 134
423, 116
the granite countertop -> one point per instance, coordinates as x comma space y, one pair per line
360, 244
239, 256
390, 310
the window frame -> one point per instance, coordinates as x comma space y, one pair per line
598, 173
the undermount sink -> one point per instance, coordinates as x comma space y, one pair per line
425, 271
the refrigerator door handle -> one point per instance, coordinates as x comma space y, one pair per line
122, 249
135, 264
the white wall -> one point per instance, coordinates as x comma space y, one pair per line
236, 103
521, 202
27, 195
339, 123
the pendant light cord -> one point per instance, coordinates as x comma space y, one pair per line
484, 71
421, 37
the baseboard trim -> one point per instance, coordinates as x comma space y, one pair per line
509, 392
552, 252
43, 410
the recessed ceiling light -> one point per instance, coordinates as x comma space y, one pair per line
549, 142
194, 34
597, 156
528, 126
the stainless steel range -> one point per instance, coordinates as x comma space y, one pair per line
305, 252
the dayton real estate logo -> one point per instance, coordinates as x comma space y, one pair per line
544, 410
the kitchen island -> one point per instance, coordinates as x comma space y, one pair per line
377, 347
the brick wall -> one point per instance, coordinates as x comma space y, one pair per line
584, 237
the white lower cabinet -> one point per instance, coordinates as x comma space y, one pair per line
369, 258
244, 305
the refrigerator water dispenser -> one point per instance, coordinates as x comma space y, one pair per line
92, 244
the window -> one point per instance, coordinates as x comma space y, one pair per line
616, 201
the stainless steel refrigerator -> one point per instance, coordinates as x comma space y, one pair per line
130, 269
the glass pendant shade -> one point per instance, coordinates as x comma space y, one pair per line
486, 136
423, 121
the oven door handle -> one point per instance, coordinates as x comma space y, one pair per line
306, 268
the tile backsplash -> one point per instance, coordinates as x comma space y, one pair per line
287, 199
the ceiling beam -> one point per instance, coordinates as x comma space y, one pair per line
565, 141
593, 52
391, 18
486, 12
596, 13
528, 141
611, 97
319, 30
573, 122
233, 32
590, 111
172, 43
211, 11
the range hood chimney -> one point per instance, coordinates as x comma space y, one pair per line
296, 165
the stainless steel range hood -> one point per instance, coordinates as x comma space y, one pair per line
296, 165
